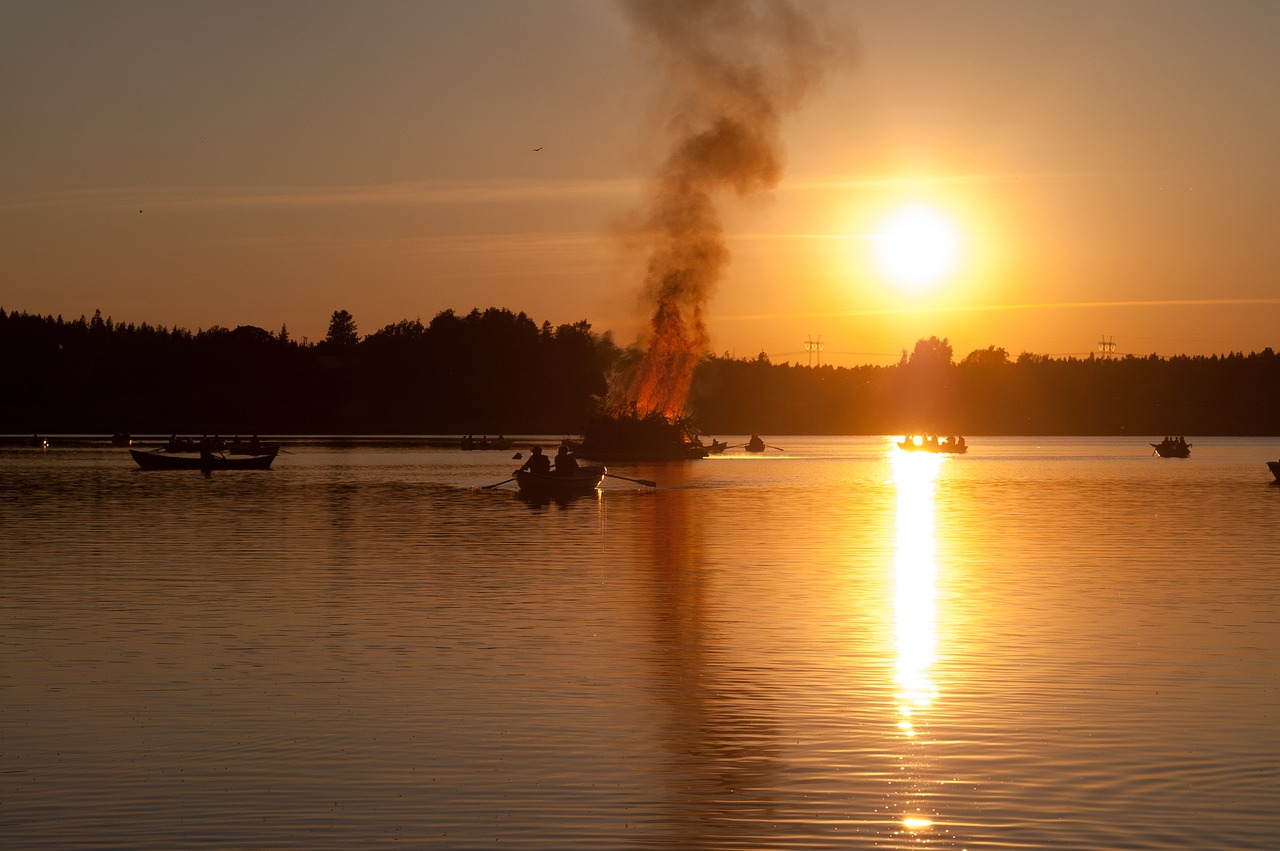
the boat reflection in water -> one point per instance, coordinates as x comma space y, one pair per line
915, 631
537, 500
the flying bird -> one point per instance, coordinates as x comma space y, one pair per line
539, 148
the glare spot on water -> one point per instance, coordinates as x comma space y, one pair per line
914, 570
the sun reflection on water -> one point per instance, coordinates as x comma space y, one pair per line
915, 631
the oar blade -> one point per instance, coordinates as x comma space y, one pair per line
495, 484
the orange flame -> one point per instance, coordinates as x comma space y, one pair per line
661, 382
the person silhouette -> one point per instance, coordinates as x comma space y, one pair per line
538, 462
566, 463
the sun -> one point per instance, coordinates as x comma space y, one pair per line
917, 247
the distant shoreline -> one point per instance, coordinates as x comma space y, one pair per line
496, 372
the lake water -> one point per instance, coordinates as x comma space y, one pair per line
1045, 643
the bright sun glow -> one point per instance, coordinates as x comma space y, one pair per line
917, 247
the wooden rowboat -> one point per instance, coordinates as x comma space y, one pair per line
157, 460
469, 443
947, 446
1274, 467
585, 481
1172, 447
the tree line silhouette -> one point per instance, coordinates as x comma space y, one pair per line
492, 371
989, 393
484, 372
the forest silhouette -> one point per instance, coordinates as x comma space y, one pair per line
494, 371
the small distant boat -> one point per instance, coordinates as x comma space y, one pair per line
717, 447
1274, 467
468, 443
930, 443
1173, 447
121, 438
755, 444
159, 460
581, 483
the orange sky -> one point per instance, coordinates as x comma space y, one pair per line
1110, 167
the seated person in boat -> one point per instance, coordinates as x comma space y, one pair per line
566, 463
538, 462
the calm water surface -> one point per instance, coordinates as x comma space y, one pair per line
1042, 644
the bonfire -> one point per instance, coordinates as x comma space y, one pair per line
627, 435
732, 71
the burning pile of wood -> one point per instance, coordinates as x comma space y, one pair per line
629, 436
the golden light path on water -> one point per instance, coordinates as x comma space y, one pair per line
915, 569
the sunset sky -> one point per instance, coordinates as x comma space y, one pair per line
1108, 169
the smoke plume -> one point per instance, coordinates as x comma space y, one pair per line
732, 69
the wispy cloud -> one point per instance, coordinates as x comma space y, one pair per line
432, 192
511, 243
841, 182
995, 308
414, 193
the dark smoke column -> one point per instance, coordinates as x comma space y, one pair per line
733, 68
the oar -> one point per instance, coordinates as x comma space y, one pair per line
495, 484
644, 482
779, 448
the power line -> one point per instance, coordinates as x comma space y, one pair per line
833, 352
814, 347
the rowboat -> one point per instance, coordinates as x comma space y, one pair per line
946, 446
469, 443
583, 482
157, 460
1274, 467
1173, 447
